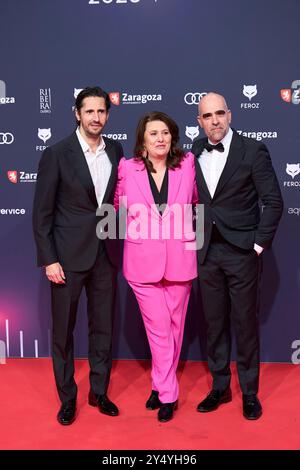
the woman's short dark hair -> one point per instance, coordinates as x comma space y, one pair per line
91, 91
175, 155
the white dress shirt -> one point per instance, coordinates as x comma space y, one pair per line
99, 165
212, 164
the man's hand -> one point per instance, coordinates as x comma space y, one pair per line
55, 273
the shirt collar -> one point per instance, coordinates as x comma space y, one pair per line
85, 146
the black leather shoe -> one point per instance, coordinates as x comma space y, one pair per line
67, 412
251, 407
153, 401
214, 399
166, 411
103, 403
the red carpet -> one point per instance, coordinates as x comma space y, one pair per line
28, 407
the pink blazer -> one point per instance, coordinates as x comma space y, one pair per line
156, 246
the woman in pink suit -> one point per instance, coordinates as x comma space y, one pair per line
158, 189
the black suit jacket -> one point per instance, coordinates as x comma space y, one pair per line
65, 204
248, 177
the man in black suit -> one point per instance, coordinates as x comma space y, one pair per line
234, 174
75, 177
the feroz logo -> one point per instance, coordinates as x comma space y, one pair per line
12, 176
6, 138
44, 134
77, 91
250, 91
192, 132
45, 100
114, 97
193, 98
293, 169
291, 95
75, 94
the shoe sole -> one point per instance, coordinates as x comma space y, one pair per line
226, 400
166, 420
68, 423
95, 405
108, 414
252, 418
152, 408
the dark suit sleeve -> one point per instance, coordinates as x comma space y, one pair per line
267, 186
120, 151
44, 208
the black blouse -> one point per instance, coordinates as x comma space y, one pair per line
160, 197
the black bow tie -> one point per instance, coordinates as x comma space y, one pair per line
209, 147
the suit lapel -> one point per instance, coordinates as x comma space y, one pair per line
111, 152
142, 179
78, 162
175, 177
235, 156
201, 183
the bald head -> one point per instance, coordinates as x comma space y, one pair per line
214, 116
212, 97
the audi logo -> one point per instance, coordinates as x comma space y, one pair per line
6, 138
193, 98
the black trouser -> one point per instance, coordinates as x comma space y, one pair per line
229, 283
99, 283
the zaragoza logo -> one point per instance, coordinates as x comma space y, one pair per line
12, 175
291, 95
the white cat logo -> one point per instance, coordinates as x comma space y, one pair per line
250, 91
293, 169
192, 132
44, 134
77, 91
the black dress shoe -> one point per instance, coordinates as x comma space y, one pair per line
67, 412
214, 399
153, 401
251, 407
166, 411
103, 403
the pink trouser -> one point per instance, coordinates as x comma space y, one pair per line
163, 306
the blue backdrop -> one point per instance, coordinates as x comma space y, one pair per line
151, 55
